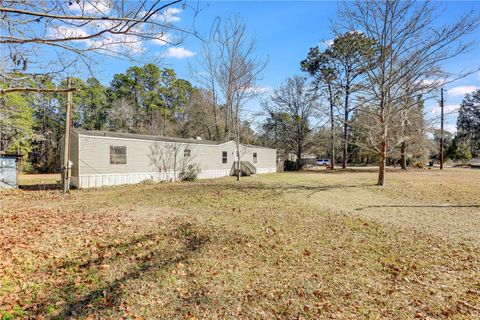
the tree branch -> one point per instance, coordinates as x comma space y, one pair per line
26, 89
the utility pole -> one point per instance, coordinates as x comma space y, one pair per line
441, 129
332, 131
66, 147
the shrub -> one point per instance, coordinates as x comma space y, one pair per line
290, 166
463, 153
148, 181
419, 165
191, 173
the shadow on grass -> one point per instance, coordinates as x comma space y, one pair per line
313, 189
421, 206
108, 295
339, 170
38, 187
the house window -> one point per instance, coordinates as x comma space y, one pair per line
254, 157
187, 153
224, 157
118, 155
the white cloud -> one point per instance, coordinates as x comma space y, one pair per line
163, 39
170, 15
259, 89
461, 90
448, 109
178, 53
120, 43
451, 108
431, 82
113, 43
328, 42
69, 32
92, 7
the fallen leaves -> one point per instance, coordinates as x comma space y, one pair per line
179, 251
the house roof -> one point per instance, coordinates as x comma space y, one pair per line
124, 135
113, 134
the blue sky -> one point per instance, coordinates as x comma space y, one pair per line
284, 31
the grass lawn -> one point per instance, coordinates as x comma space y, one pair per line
38, 180
276, 246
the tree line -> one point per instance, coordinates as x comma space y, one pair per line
143, 100
360, 98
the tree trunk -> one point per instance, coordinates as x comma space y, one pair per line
345, 128
299, 158
403, 159
215, 116
345, 141
383, 157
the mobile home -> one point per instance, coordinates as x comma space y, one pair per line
102, 158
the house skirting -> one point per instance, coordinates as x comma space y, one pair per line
110, 179
266, 170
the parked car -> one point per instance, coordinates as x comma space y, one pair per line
323, 162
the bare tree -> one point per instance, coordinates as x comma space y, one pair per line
122, 115
205, 73
230, 70
292, 106
53, 37
411, 49
197, 118
407, 132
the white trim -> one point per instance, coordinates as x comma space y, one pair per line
74, 181
78, 155
266, 170
110, 179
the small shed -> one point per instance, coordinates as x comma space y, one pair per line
8, 171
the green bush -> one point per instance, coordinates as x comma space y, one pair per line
463, 153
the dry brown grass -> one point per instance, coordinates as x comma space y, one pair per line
36, 179
279, 246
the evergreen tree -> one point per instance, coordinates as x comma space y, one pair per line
49, 126
93, 107
463, 152
348, 53
16, 124
468, 122
155, 96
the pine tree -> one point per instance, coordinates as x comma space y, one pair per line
468, 122
16, 122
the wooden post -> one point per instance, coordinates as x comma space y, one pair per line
441, 129
66, 146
